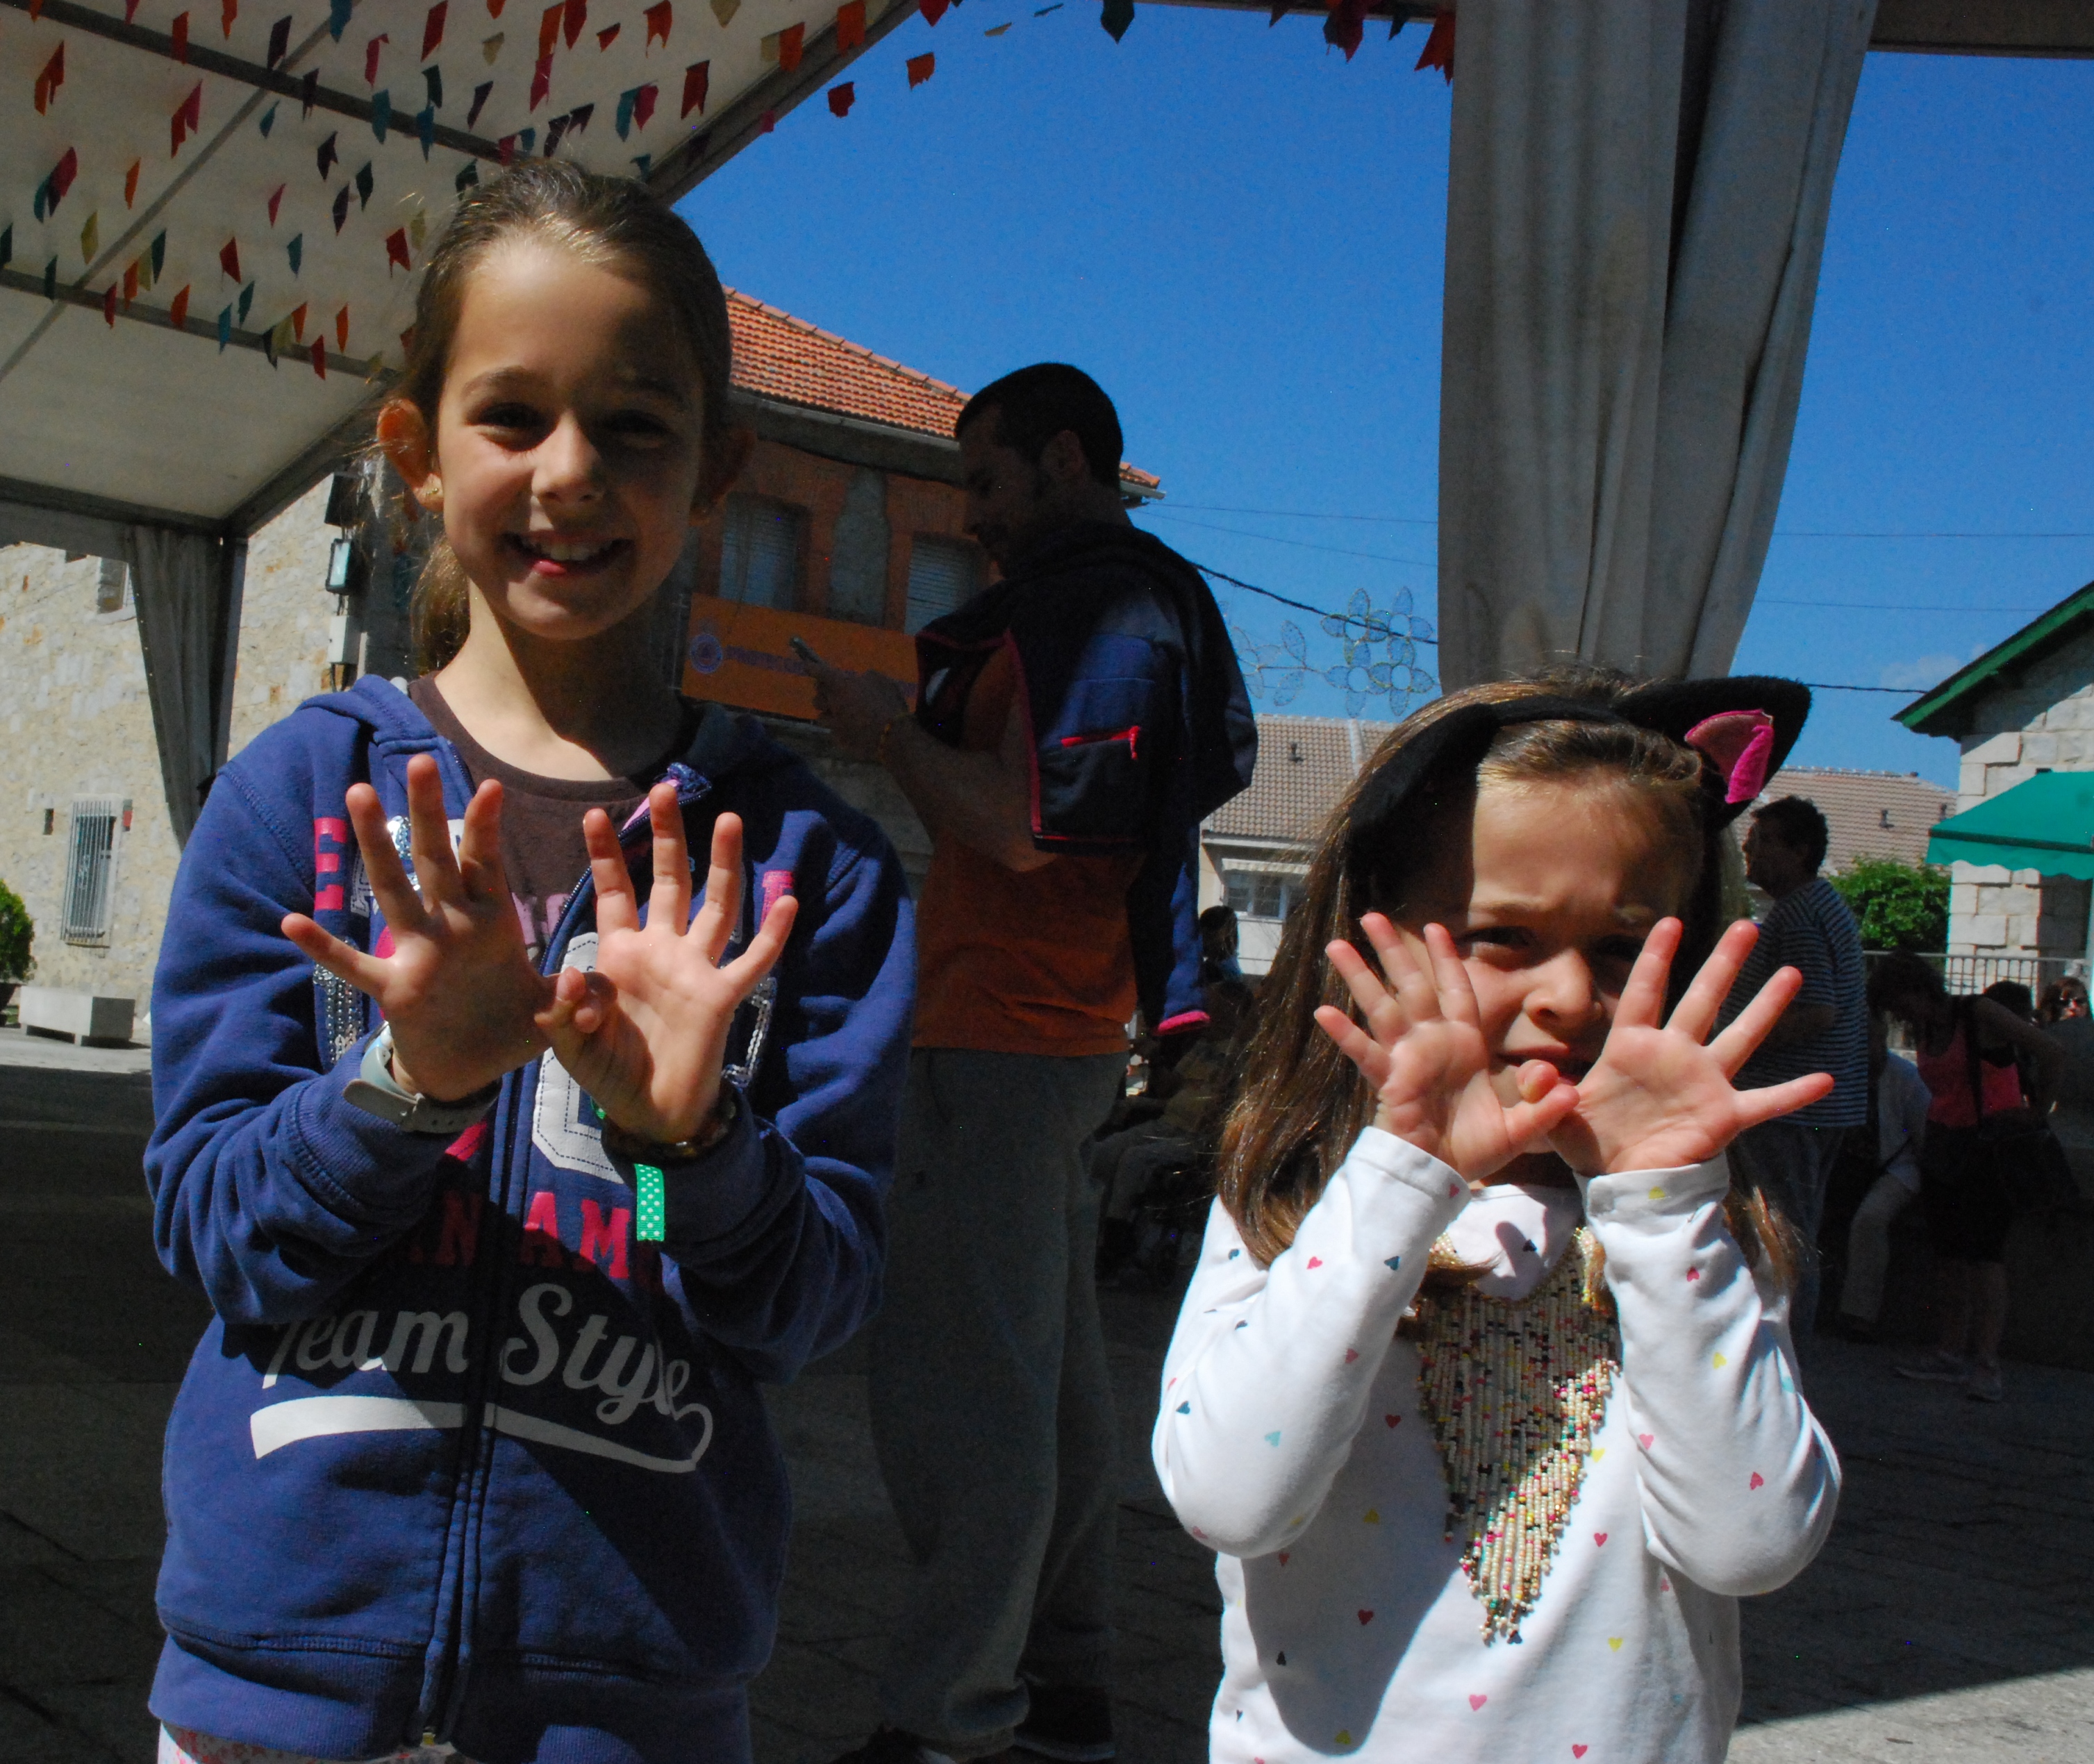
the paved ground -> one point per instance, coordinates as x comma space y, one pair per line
1950, 1620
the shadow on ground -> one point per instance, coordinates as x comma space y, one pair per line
1950, 1617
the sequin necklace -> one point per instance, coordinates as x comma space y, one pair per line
1515, 1389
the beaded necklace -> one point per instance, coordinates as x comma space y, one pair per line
1515, 1389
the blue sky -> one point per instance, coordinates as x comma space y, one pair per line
1241, 235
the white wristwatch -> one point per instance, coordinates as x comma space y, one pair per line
376, 1092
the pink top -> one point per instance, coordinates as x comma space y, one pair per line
1947, 1075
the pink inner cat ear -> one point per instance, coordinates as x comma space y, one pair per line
1740, 744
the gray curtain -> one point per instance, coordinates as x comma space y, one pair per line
1636, 211
187, 589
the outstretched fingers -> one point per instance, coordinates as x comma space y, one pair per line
319, 945
1366, 1054
1642, 1005
1383, 1012
669, 895
1703, 1002
480, 868
714, 926
617, 909
1768, 1104
396, 896
1750, 1027
748, 969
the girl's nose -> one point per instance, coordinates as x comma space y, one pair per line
1566, 995
569, 467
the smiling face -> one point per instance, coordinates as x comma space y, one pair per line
568, 452
1548, 889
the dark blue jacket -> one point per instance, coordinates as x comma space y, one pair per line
458, 1455
1138, 723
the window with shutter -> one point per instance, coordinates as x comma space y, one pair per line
90, 867
760, 553
943, 574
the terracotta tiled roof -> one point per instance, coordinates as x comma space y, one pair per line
1869, 813
1304, 765
778, 356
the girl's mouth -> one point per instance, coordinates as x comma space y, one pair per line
565, 557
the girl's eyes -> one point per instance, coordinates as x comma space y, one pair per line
1517, 940
628, 429
1511, 937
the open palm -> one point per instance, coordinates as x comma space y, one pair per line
645, 1033
1421, 1045
1662, 1095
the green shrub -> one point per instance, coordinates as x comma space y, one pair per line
17, 932
1898, 905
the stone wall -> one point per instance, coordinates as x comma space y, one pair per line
2043, 721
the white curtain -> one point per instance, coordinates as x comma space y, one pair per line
186, 587
1636, 211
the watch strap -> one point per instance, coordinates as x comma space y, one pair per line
375, 1091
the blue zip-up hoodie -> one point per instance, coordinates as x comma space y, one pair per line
458, 1455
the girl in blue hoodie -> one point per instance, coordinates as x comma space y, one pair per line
509, 1164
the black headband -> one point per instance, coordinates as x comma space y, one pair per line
1744, 725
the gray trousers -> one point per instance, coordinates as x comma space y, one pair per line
1794, 1162
992, 1402
1868, 1249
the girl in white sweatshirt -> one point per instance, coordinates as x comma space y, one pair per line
1483, 1390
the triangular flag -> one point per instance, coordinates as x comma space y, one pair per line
606, 37
695, 79
549, 28
767, 122
724, 11
178, 308
432, 78
228, 11
576, 16
542, 81
51, 279
298, 322
193, 108
370, 51
1346, 25
1115, 17
178, 36
308, 90
418, 229
319, 357
364, 186
556, 127
275, 202
246, 300
90, 235
330, 155
933, 10
109, 306
381, 113
840, 98
280, 41
268, 121
492, 47
338, 12
296, 251
228, 258
425, 129
493, 12
576, 122
660, 17
62, 177
340, 207
396, 249
623, 120
791, 42
768, 49
159, 253
921, 67
50, 79
225, 329
6, 244
341, 328
479, 95
997, 30
850, 25
643, 104
432, 28
644, 161
131, 184
130, 283
467, 178
1438, 50
505, 149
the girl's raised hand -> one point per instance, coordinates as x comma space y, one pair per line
458, 989
645, 1033
1657, 1097
1422, 1048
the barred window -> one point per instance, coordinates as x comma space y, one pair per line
91, 869
943, 574
760, 553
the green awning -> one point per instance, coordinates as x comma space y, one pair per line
2045, 823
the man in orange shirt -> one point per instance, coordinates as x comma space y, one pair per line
1073, 724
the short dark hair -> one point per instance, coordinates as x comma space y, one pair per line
1037, 403
1902, 975
1796, 821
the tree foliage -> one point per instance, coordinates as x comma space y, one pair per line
1898, 905
17, 932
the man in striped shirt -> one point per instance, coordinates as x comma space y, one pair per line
1824, 1030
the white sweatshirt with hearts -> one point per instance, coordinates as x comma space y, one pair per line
1292, 1440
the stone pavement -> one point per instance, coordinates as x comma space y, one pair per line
1950, 1621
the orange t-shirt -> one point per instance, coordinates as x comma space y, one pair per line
1032, 962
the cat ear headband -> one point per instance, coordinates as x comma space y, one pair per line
1742, 726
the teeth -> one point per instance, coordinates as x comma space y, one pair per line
568, 554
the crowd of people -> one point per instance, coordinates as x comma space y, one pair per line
543, 1062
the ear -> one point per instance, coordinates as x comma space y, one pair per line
403, 433
720, 472
1062, 460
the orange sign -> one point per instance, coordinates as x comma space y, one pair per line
742, 655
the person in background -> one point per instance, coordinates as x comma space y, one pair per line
2064, 1001
1899, 1098
1824, 1030
1218, 945
1967, 1050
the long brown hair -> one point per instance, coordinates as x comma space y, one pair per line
1303, 1103
611, 221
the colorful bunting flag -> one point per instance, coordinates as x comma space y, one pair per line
425, 129
623, 121
51, 192
296, 251
479, 96
432, 28
767, 122
504, 149
492, 47
275, 202
364, 186
724, 10
225, 329
298, 322
319, 356
178, 308
396, 250
90, 235
131, 183
850, 25
130, 7
556, 130
338, 12
493, 12
228, 258
606, 37
432, 78
308, 88
246, 300
549, 28
467, 178
228, 11
329, 156
280, 41
1438, 50
371, 57
921, 67
791, 42
6, 244
643, 104
1115, 17
933, 10
51, 279
179, 34
997, 30
186, 119
341, 328
159, 253
268, 121
542, 81
695, 78
109, 306
381, 113
340, 207
660, 17
130, 284
50, 79
1346, 25
575, 17
840, 98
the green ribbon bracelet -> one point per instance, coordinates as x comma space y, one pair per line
649, 1220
